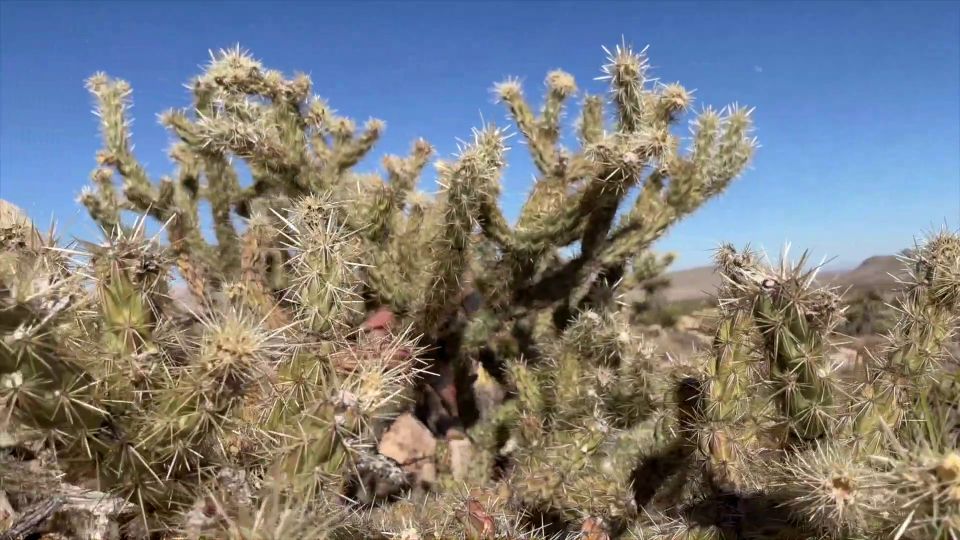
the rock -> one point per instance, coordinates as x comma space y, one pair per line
376, 345
410, 444
379, 478
46, 504
89, 514
380, 321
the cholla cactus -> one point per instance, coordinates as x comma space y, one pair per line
266, 373
296, 146
255, 410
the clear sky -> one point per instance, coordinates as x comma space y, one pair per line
857, 104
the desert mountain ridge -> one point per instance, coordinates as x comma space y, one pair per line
878, 272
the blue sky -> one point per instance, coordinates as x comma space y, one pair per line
857, 104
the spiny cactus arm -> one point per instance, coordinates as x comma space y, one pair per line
730, 367
102, 203
230, 70
830, 487
880, 403
328, 132
323, 266
227, 510
626, 72
528, 385
602, 198
187, 192
671, 101
647, 221
44, 386
195, 255
489, 216
929, 313
253, 131
188, 181
646, 266
590, 123
167, 201
326, 417
650, 217
167, 448
630, 389
477, 167
254, 288
492, 222
543, 132
335, 143
404, 173
560, 86
221, 190
538, 227
319, 118
350, 149
916, 494
733, 341
722, 147
795, 321
930, 307
674, 188
127, 315
254, 114
390, 199
588, 349
565, 471
599, 491
552, 218
589, 214
113, 101
726, 435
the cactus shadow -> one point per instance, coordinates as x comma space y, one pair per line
748, 516
658, 471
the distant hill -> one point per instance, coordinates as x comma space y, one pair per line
873, 273
878, 272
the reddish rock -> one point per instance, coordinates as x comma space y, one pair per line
413, 447
381, 321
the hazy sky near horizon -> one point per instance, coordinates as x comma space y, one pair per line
857, 103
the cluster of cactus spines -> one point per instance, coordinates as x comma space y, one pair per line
255, 410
